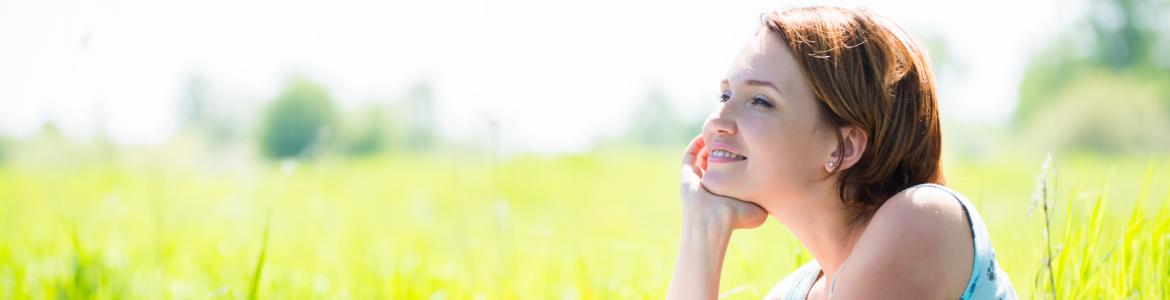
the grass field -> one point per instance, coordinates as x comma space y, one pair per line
601, 225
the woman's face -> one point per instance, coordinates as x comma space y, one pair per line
769, 121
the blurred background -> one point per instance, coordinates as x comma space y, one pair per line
516, 148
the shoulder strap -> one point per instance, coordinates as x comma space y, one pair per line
982, 253
797, 284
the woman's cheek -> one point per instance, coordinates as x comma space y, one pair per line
773, 177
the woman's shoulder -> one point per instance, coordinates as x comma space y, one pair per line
932, 207
920, 218
921, 239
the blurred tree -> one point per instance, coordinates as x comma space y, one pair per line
942, 58
1106, 113
1121, 35
656, 123
194, 108
416, 116
48, 148
5, 145
51, 133
1098, 77
204, 118
1125, 30
298, 121
369, 134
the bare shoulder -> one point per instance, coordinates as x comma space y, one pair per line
927, 210
917, 245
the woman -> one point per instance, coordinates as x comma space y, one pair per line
829, 123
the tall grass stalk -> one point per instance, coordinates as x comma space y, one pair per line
1047, 169
253, 291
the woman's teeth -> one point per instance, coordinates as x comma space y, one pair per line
721, 153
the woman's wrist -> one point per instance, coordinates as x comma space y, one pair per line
702, 247
707, 225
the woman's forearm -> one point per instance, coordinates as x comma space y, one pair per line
702, 247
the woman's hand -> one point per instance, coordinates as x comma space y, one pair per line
708, 220
701, 206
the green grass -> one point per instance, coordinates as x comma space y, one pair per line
254, 288
602, 225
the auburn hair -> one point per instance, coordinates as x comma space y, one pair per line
868, 72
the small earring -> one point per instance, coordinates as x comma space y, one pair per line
832, 164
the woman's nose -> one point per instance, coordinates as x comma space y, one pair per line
720, 123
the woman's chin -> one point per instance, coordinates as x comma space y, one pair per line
718, 185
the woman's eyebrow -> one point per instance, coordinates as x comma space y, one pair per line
764, 83
754, 82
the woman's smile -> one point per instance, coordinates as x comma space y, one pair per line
719, 152
722, 156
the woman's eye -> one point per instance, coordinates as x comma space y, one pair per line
724, 98
760, 100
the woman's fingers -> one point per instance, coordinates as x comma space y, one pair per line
749, 215
743, 214
691, 157
692, 151
702, 159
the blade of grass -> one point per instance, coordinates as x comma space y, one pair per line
253, 291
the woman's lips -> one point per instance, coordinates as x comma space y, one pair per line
718, 152
723, 156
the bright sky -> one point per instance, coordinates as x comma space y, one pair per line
555, 76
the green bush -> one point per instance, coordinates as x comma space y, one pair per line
297, 121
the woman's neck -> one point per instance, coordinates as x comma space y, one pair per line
824, 225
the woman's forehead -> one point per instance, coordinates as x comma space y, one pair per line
763, 58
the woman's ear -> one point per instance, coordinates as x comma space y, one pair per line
853, 140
